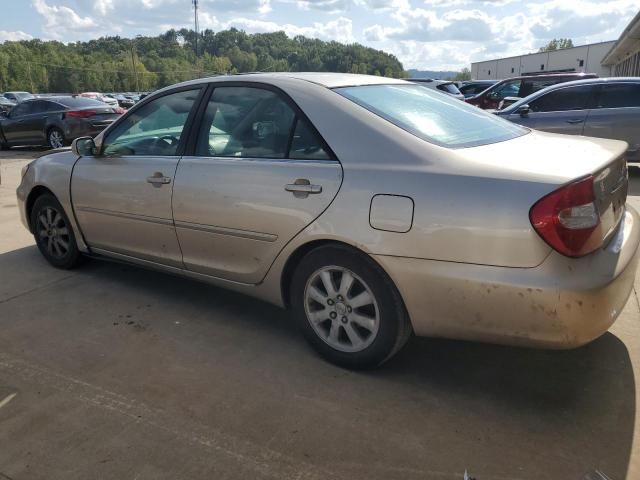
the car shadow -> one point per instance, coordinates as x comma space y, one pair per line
530, 413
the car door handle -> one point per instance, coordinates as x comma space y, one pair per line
158, 179
305, 188
572, 122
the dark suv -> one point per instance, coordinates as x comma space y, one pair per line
521, 87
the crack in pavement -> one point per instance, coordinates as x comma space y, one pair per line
36, 289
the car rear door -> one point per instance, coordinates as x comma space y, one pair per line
35, 121
122, 197
258, 174
560, 111
617, 115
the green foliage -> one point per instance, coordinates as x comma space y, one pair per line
464, 74
557, 44
146, 63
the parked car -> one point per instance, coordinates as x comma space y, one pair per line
55, 121
471, 88
521, 87
441, 219
101, 98
444, 86
6, 104
602, 107
18, 97
123, 101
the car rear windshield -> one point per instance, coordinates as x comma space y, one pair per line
78, 102
449, 88
431, 116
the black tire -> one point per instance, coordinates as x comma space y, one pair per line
53, 142
53, 233
4, 146
394, 327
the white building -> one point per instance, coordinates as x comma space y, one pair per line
624, 57
585, 58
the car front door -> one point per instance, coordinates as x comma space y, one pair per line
258, 175
122, 197
560, 111
617, 115
13, 127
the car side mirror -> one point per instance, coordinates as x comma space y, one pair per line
84, 146
523, 110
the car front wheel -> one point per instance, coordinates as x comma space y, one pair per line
53, 233
347, 308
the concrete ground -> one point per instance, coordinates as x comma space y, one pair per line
113, 372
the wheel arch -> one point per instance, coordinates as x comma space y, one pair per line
34, 194
302, 250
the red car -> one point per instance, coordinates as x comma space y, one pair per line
521, 87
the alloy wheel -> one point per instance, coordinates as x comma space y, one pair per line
56, 139
341, 309
53, 232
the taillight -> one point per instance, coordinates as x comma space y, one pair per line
80, 113
568, 219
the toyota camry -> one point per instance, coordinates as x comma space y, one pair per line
370, 207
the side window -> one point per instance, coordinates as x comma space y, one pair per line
245, 122
564, 99
38, 106
305, 144
20, 110
533, 85
508, 89
155, 129
619, 95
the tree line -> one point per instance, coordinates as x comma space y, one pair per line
112, 64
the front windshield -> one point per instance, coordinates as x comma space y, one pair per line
431, 116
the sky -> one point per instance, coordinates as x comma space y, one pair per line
423, 34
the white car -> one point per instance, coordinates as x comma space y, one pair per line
443, 86
112, 102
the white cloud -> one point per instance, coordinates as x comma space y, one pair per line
60, 19
14, 36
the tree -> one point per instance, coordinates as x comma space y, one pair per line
105, 64
557, 44
464, 74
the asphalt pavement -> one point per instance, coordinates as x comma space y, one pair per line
115, 372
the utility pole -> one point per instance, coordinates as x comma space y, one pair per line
196, 23
30, 79
133, 64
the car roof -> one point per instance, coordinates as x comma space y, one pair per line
551, 75
326, 79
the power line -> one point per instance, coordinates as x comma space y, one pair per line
128, 72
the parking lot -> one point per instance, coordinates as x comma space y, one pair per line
113, 372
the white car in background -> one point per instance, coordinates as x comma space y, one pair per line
112, 102
443, 86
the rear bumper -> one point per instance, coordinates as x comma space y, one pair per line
562, 303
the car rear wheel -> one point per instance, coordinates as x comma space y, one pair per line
53, 233
347, 308
56, 138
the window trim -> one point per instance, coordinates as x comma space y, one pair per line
588, 105
150, 98
190, 149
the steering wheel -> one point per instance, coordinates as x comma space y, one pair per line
169, 141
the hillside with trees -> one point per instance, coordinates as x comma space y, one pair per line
145, 63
